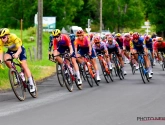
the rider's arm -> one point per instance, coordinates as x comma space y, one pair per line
1, 57
50, 43
18, 43
1, 51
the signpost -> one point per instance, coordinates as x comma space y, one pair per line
147, 23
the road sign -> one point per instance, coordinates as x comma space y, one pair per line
88, 29
146, 27
147, 30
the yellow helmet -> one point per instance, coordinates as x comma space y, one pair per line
4, 31
56, 32
118, 35
131, 33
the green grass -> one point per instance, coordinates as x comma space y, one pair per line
39, 68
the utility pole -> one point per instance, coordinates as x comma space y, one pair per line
39, 29
101, 17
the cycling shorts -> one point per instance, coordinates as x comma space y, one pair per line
22, 55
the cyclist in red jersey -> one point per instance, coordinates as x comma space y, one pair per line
85, 48
159, 46
61, 43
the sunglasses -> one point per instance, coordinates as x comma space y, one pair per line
97, 43
56, 36
4, 37
109, 40
135, 39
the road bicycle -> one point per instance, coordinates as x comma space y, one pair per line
105, 69
142, 69
117, 69
89, 70
65, 72
18, 82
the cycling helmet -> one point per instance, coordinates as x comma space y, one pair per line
126, 35
135, 36
118, 35
130, 32
96, 39
56, 32
4, 31
147, 37
154, 39
80, 32
159, 39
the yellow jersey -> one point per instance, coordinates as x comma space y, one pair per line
12, 44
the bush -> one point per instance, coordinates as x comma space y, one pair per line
31, 31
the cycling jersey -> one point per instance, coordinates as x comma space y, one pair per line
149, 44
113, 45
50, 42
139, 45
12, 44
157, 46
82, 43
84, 46
64, 42
120, 42
101, 48
126, 42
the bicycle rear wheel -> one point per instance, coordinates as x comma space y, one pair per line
17, 84
35, 93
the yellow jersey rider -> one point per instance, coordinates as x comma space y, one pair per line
15, 50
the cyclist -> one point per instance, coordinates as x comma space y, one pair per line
149, 45
137, 45
61, 43
101, 48
85, 48
159, 46
15, 50
113, 46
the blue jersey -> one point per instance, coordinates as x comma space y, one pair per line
139, 45
148, 44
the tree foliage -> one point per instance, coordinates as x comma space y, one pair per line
117, 14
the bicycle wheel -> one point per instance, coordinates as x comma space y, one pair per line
16, 84
151, 60
88, 76
133, 68
68, 79
76, 82
35, 93
59, 75
141, 68
118, 69
82, 73
93, 74
106, 76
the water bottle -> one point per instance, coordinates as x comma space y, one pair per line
22, 76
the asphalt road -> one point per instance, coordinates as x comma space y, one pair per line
122, 102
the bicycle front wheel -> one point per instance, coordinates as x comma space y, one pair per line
68, 79
35, 93
59, 75
16, 84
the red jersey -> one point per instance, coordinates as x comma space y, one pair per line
82, 43
65, 41
157, 46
